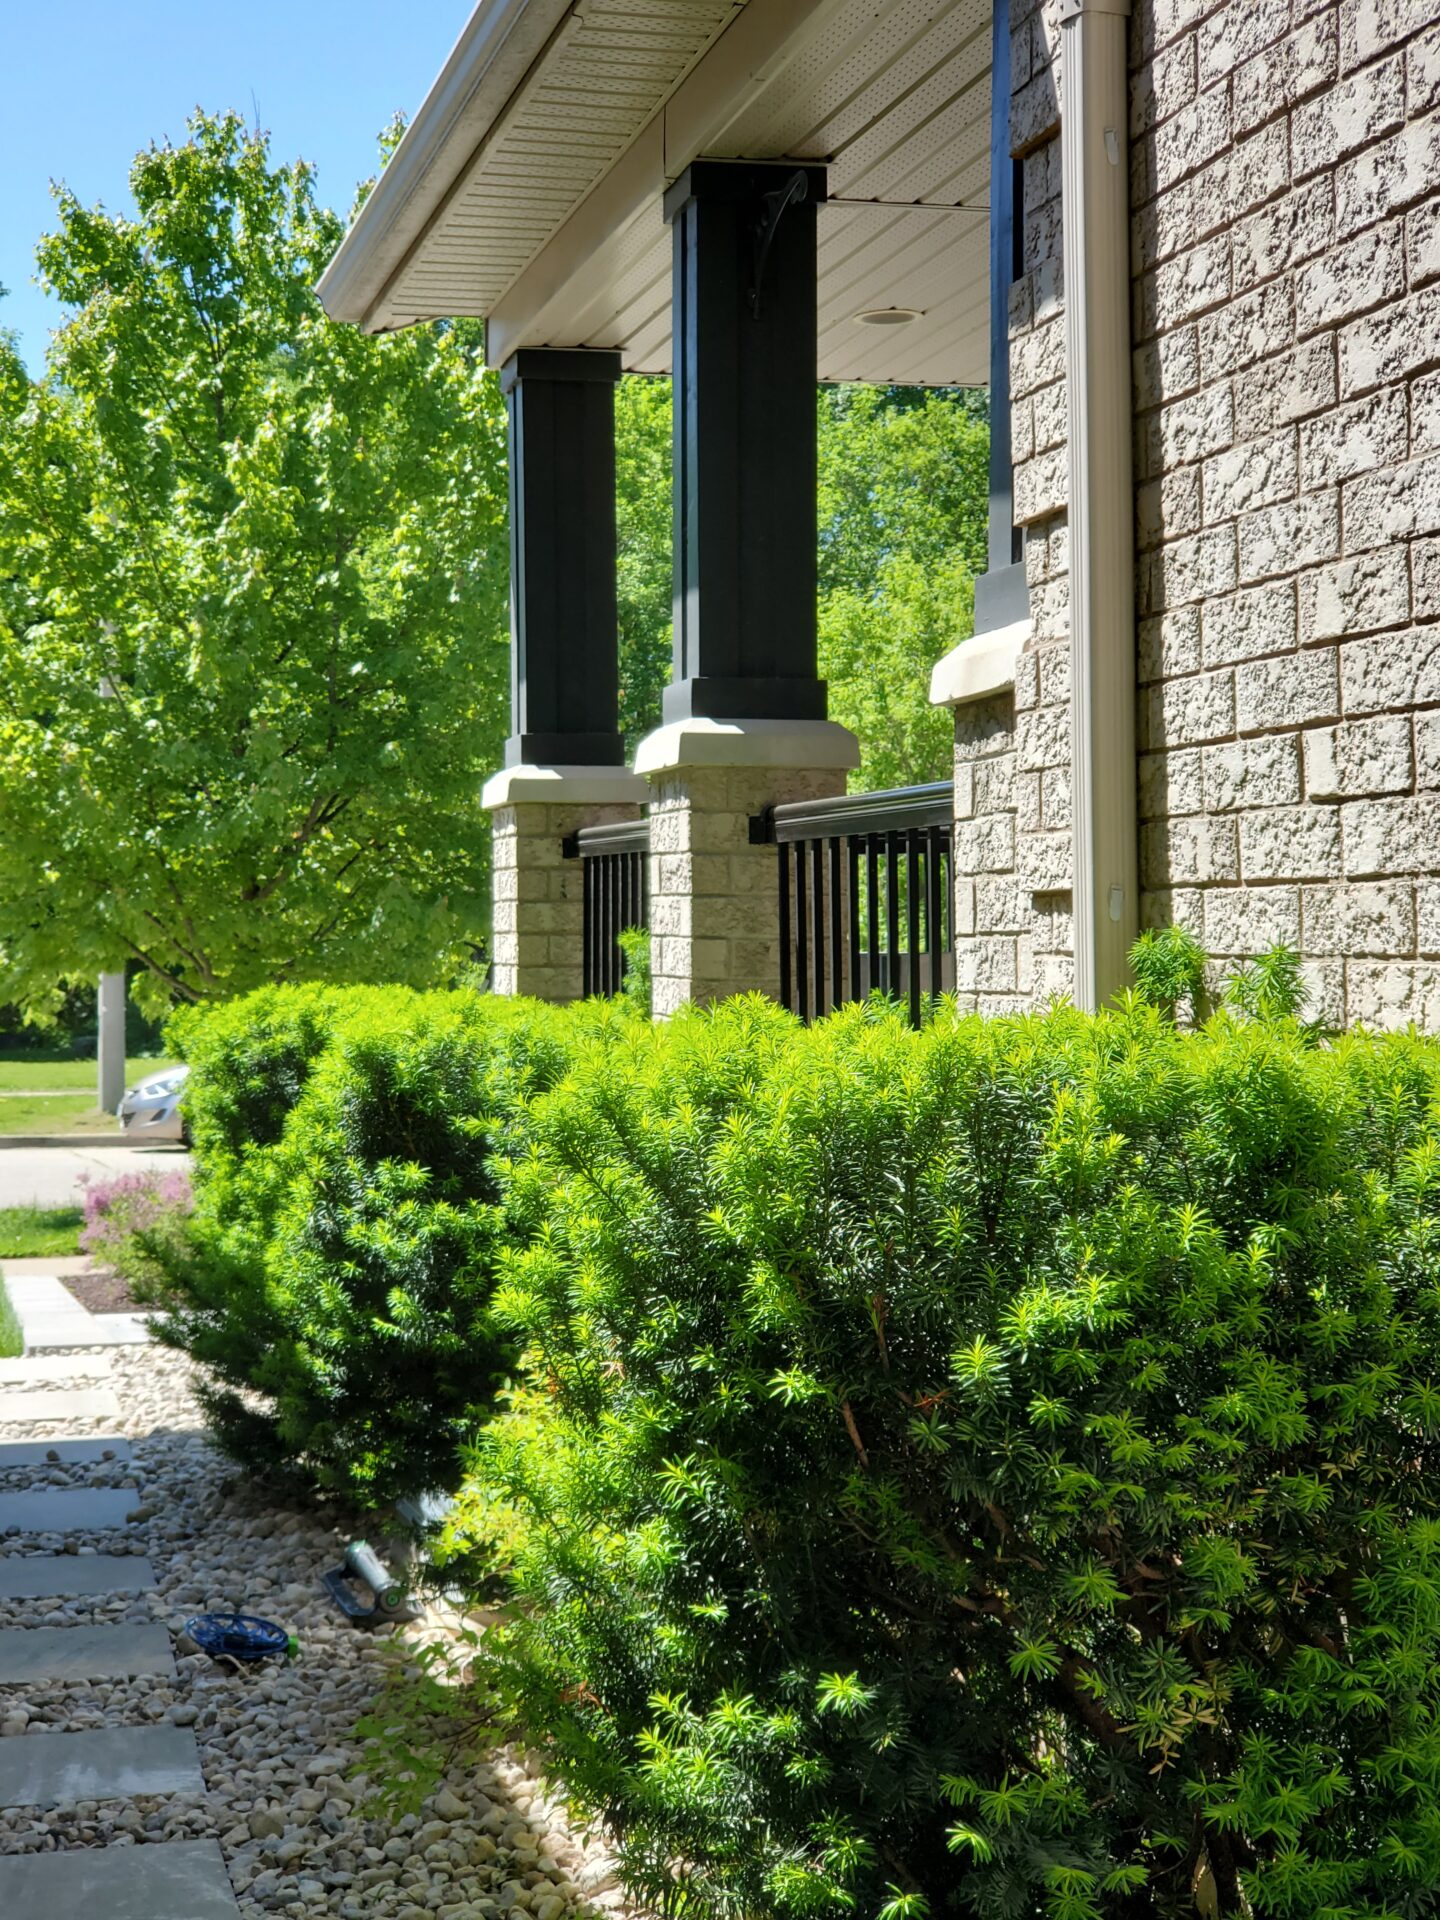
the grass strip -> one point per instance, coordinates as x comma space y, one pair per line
39, 1233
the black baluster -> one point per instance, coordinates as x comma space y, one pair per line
912, 919
853, 852
892, 915
786, 984
837, 937
817, 872
802, 946
934, 927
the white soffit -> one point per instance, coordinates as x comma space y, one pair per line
893, 95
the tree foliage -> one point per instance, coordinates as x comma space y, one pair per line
252, 590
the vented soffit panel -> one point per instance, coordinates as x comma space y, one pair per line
536, 102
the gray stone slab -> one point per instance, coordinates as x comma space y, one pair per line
178, 1880
68, 1509
104, 1450
47, 1331
112, 1763
31, 1654
63, 1576
57, 1369
59, 1403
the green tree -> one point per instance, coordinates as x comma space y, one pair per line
646, 545
252, 589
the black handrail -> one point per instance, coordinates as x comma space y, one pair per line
614, 865
856, 873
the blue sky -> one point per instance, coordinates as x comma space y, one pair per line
85, 84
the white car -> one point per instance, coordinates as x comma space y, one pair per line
151, 1109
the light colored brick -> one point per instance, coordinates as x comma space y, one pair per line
1179, 713
1290, 843
1352, 279
1045, 861
1288, 690
1374, 917
1422, 244
1244, 626
1284, 235
1170, 783
1247, 920
1353, 439
1422, 72
1180, 289
1247, 329
1170, 644
1191, 569
1168, 508
1042, 737
1200, 424
1162, 86
1255, 474
1166, 368
1292, 385
1425, 575
1347, 116
1391, 836
1192, 137
1400, 340
1277, 79
1263, 772
1357, 758
1234, 34
1392, 505
1392, 672
1427, 917
1355, 596
1383, 179
986, 845
1188, 851
1392, 995
1425, 415
1299, 533
1041, 486
1427, 753
1371, 27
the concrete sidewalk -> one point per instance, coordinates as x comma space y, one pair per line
53, 1176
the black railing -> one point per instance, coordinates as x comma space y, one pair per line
866, 897
614, 863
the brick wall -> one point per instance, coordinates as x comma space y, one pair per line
1285, 194
1285, 166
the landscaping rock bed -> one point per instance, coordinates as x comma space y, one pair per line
295, 1818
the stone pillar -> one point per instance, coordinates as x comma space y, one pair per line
714, 894
565, 755
110, 1042
538, 894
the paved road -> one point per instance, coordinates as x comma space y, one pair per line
52, 1176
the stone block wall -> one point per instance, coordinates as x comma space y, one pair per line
714, 910
1285, 193
1285, 196
539, 899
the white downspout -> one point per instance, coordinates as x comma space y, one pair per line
1095, 207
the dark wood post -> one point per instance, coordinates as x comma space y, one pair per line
564, 687
745, 449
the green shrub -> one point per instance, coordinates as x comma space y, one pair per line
337, 1271
12, 1340
991, 1470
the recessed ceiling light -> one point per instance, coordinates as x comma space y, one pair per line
889, 316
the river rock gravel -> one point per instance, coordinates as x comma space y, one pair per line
285, 1791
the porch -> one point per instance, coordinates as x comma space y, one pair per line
752, 196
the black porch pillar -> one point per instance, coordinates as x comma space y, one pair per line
745, 450
564, 671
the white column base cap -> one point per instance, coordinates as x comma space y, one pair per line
563, 787
979, 666
811, 745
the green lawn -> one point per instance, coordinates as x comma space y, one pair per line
48, 1072
35, 1233
11, 1345
53, 1113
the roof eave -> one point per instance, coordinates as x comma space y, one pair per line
498, 46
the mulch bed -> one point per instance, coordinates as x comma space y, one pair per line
100, 1292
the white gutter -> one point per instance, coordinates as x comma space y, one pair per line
497, 47
1095, 196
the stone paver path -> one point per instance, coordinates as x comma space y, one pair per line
175, 1880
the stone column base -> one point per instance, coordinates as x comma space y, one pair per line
714, 898
539, 902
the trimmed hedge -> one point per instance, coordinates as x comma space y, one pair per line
336, 1275
990, 1470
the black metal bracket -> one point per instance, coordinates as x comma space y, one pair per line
762, 828
775, 205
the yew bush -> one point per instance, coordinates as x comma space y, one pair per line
988, 1470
